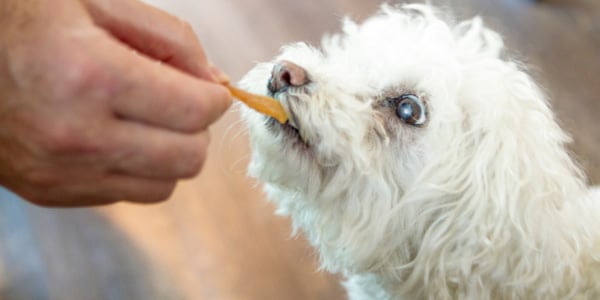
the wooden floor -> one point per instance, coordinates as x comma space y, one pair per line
217, 238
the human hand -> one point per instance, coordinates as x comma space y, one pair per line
101, 101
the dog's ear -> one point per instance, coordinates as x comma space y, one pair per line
499, 173
515, 151
500, 144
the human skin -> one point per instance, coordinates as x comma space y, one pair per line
101, 101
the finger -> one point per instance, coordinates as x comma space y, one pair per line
171, 101
159, 95
139, 190
158, 154
104, 191
152, 32
218, 75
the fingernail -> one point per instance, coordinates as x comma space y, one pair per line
218, 75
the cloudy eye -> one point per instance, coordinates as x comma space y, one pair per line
411, 109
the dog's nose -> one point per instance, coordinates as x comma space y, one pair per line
286, 74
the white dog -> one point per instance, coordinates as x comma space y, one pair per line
422, 164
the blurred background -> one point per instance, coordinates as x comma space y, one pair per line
217, 238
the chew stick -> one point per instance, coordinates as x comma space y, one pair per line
262, 104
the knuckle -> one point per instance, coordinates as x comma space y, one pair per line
82, 77
61, 139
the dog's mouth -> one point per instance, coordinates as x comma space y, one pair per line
290, 85
291, 129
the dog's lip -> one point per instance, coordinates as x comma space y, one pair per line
288, 129
292, 120
292, 126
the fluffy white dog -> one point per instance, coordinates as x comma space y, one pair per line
422, 164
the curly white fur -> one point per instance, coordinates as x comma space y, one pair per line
483, 202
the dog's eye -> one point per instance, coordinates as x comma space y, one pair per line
411, 109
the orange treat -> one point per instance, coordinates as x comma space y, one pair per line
262, 104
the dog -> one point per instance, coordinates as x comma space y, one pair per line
422, 163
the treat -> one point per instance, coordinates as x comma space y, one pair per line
262, 104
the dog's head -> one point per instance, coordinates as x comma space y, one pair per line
406, 130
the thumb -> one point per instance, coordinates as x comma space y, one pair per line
152, 32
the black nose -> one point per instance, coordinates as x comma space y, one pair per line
286, 74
